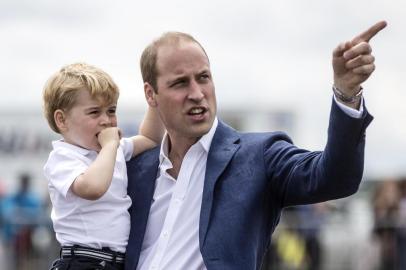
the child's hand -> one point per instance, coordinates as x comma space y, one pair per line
109, 135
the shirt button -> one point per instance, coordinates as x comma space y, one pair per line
165, 234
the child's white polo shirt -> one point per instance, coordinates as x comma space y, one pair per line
100, 223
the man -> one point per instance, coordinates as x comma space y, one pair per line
210, 197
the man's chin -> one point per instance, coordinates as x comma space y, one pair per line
202, 130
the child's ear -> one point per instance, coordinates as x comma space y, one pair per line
150, 94
60, 120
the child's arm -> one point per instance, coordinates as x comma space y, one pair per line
151, 132
95, 181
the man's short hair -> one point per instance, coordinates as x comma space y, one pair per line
61, 89
148, 60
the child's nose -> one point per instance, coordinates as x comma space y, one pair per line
105, 119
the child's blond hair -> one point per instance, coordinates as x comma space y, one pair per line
61, 89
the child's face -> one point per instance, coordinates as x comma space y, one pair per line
86, 119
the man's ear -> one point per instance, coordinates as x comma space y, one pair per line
150, 94
60, 120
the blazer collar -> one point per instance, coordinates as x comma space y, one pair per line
223, 147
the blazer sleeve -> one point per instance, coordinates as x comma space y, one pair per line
299, 176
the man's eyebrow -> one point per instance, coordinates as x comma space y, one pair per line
205, 70
176, 78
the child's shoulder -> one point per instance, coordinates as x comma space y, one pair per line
65, 152
64, 159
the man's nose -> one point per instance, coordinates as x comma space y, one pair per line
196, 91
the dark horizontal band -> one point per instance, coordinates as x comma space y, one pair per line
68, 252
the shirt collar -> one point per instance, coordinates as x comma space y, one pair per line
61, 144
205, 142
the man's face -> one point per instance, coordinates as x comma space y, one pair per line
185, 97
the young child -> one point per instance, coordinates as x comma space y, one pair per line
86, 170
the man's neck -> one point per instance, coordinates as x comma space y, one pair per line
177, 149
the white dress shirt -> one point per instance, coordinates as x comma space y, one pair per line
171, 239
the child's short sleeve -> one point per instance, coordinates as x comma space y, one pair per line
62, 168
127, 144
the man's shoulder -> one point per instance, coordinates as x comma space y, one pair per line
245, 137
148, 157
143, 169
278, 135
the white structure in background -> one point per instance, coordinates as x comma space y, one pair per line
25, 138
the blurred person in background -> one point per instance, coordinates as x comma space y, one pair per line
21, 212
312, 218
289, 244
401, 235
385, 201
2, 197
210, 197
2, 245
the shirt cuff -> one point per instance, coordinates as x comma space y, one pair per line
350, 111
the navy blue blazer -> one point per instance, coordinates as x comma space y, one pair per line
250, 178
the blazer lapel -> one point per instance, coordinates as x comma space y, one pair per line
142, 189
224, 145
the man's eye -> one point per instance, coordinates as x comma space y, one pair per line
204, 77
178, 83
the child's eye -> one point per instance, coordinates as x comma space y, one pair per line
112, 111
93, 112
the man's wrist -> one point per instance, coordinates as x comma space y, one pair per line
345, 98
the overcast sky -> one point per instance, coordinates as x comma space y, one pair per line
267, 54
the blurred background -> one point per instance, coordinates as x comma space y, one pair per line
271, 62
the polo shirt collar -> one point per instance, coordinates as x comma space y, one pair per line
62, 144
